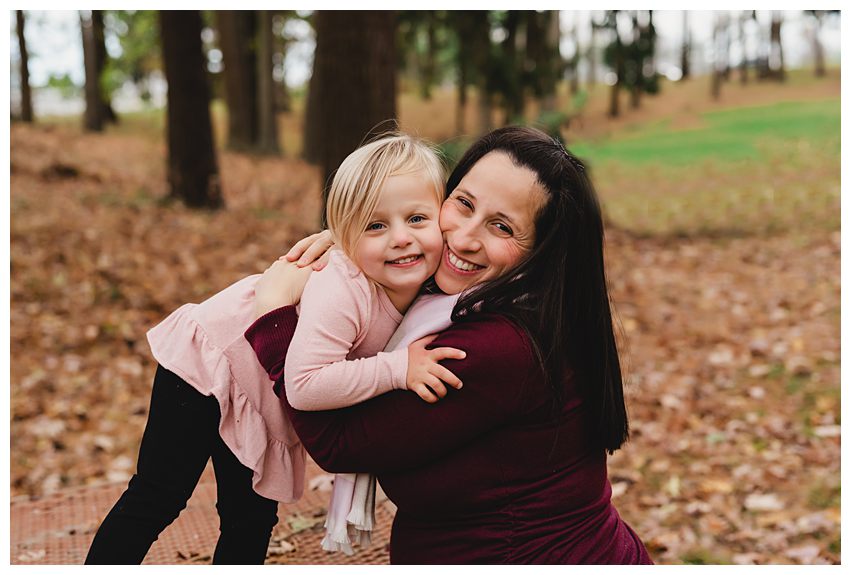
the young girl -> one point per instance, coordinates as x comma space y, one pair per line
212, 399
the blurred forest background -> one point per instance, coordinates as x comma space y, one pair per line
185, 158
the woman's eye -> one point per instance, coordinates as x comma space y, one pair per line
465, 202
503, 228
374, 226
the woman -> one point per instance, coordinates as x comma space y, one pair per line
512, 467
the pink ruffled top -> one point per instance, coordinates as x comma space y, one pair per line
204, 344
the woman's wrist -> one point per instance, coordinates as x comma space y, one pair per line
280, 285
270, 336
264, 306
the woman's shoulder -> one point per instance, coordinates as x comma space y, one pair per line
491, 321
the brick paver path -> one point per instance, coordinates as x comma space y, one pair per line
57, 529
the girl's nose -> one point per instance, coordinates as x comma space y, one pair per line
401, 237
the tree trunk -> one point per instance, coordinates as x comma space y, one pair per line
685, 59
355, 64
26, 92
514, 61
638, 64
553, 40
482, 64
592, 54
818, 48
463, 25
267, 141
108, 114
485, 112
193, 173
635, 96
310, 151
743, 65
542, 41
535, 57
777, 64
410, 60
280, 46
614, 96
463, 58
430, 60
237, 30
650, 35
93, 116
715, 84
725, 70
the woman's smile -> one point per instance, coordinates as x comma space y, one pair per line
461, 265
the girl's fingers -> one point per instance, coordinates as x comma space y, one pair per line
446, 376
424, 341
447, 353
425, 393
436, 386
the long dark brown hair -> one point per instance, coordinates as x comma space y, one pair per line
558, 293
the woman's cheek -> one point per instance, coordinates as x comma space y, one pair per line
435, 247
448, 214
514, 252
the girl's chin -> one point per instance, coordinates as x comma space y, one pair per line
407, 285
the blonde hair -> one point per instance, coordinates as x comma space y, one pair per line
360, 178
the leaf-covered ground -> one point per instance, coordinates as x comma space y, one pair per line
731, 342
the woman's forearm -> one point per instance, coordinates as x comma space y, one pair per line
398, 430
270, 336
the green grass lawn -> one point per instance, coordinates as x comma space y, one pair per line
754, 170
723, 136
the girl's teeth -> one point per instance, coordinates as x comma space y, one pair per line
404, 260
461, 264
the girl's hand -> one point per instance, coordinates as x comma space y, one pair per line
311, 250
425, 376
280, 285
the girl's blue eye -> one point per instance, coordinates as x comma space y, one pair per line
374, 226
417, 219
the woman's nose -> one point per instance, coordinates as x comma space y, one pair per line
465, 237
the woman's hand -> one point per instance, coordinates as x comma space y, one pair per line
425, 376
280, 285
311, 250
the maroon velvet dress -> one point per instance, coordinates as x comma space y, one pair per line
488, 474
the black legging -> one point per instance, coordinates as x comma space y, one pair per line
181, 435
